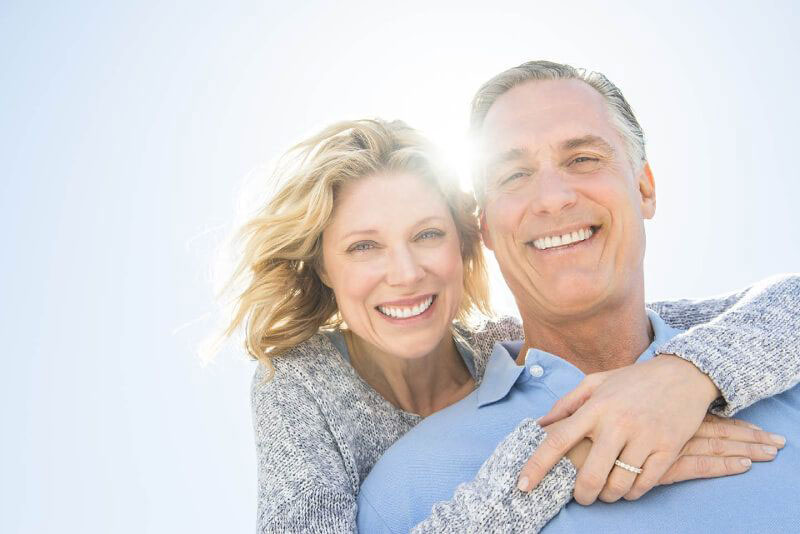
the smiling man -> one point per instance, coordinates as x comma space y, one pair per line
565, 188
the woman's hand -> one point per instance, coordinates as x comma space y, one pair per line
706, 455
646, 415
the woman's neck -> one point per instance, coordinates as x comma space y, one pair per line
421, 385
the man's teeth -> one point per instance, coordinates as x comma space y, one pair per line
543, 243
404, 313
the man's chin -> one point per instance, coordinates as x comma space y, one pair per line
573, 298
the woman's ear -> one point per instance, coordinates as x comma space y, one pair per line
323, 276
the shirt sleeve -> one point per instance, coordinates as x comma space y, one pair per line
747, 342
303, 485
491, 501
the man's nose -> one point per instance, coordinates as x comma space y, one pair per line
551, 193
403, 268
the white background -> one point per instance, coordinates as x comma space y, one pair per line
126, 132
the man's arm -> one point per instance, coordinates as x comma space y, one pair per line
747, 342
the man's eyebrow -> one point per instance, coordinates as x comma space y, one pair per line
512, 154
588, 141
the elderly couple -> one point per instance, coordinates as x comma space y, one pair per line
387, 397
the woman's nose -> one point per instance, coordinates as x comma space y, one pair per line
403, 268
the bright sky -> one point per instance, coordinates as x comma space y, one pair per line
126, 131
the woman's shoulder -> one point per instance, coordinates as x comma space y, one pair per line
307, 365
482, 335
486, 331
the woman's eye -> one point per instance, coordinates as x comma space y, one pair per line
361, 246
430, 234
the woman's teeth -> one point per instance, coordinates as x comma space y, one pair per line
405, 313
544, 243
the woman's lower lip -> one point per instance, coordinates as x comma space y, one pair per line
409, 320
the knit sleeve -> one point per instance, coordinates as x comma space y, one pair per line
747, 342
303, 485
491, 501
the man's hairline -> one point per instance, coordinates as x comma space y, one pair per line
613, 118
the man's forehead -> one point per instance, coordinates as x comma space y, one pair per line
549, 111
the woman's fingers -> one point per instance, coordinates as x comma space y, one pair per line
594, 473
653, 470
691, 467
758, 452
721, 429
561, 437
620, 480
569, 403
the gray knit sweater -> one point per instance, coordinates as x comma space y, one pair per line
320, 428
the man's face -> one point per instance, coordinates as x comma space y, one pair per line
564, 208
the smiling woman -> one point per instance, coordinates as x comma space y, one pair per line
337, 226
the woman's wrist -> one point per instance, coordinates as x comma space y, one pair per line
706, 387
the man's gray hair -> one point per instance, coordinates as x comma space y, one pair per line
622, 116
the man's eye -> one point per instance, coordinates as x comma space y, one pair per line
515, 176
583, 159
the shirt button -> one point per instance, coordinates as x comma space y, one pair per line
536, 371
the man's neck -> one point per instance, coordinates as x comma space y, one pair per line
596, 342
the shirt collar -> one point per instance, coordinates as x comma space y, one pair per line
559, 376
501, 372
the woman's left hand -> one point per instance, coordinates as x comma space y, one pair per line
643, 415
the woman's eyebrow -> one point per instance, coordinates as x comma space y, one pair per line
424, 220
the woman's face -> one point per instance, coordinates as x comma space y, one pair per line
392, 257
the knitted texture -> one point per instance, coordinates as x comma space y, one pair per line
319, 428
747, 342
491, 501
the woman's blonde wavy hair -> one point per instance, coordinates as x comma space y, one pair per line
284, 301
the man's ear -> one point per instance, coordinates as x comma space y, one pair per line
487, 240
647, 190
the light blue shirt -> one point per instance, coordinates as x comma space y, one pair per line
427, 464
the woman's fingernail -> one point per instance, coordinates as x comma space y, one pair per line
746, 462
777, 438
522, 485
769, 449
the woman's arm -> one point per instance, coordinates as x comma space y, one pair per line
747, 342
491, 501
748, 349
302, 482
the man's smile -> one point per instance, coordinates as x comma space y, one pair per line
565, 238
